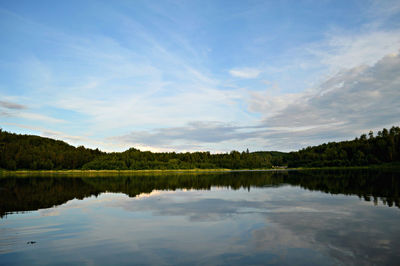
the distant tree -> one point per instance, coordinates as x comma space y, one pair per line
34, 152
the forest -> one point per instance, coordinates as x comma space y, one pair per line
38, 153
364, 150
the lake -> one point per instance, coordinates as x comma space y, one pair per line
232, 218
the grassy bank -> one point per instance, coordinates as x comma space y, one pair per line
96, 173
105, 173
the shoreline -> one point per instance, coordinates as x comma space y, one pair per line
78, 172
122, 172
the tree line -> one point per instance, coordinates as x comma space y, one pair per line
39, 153
365, 150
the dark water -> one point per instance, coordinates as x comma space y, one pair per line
245, 218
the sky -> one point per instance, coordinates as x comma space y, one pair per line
199, 75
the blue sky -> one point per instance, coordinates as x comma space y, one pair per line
199, 75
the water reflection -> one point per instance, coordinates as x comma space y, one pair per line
291, 218
32, 193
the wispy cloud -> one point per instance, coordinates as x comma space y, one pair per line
343, 50
193, 134
246, 73
339, 108
16, 110
39, 117
342, 106
12, 105
31, 116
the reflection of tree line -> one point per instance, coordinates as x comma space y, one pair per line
24, 194
366, 184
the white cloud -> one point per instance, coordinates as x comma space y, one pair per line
246, 73
342, 107
346, 50
39, 117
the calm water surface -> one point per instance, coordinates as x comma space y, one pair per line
246, 218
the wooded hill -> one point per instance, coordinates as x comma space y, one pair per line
365, 150
38, 153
